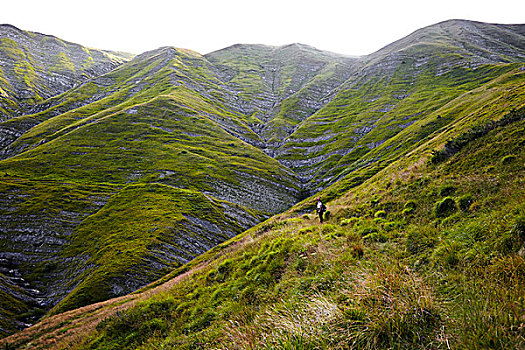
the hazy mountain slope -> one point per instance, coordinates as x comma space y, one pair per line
397, 86
34, 67
393, 267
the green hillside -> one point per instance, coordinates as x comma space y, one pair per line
145, 170
159, 132
426, 254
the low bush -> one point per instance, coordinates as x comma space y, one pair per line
511, 158
445, 207
464, 202
348, 221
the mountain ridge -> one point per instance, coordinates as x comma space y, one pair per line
37, 66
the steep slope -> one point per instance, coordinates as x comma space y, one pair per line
394, 88
146, 149
280, 86
34, 67
394, 267
128, 175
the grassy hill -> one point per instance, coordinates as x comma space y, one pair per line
135, 173
159, 140
426, 254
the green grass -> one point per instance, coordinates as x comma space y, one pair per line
129, 235
355, 124
429, 283
409, 238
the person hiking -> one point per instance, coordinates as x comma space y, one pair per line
321, 208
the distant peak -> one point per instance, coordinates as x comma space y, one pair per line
5, 25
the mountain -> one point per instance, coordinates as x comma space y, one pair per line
427, 253
394, 88
35, 67
179, 163
136, 171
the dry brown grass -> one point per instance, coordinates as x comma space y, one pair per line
64, 330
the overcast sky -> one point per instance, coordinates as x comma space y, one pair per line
346, 27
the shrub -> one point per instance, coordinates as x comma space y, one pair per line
464, 202
447, 190
352, 236
308, 229
391, 225
377, 236
445, 207
508, 159
366, 227
349, 221
399, 312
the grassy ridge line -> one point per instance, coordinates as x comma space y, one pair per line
163, 135
39, 66
135, 83
101, 95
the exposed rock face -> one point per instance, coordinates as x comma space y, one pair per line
34, 67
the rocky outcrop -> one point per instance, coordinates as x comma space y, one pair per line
35, 67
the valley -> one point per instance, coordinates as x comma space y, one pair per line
140, 168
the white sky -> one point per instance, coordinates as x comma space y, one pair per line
347, 27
